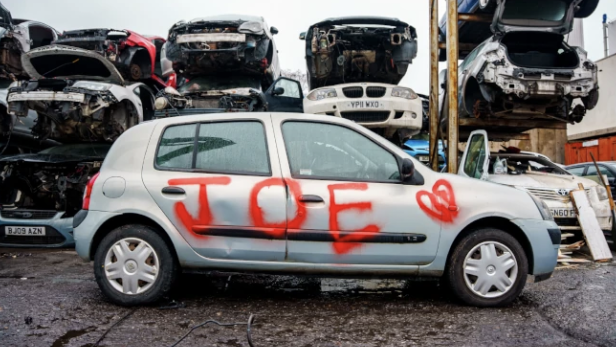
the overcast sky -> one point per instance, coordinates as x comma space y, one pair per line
155, 17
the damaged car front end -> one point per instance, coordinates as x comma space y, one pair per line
78, 96
207, 46
359, 49
527, 70
41, 193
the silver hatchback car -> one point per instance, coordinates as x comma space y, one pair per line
300, 194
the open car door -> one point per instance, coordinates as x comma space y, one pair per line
476, 158
285, 95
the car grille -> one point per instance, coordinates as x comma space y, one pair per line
375, 92
52, 237
353, 92
28, 214
549, 194
567, 222
366, 116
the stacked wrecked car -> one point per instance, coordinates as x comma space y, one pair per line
225, 63
354, 65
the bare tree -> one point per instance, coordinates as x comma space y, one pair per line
300, 76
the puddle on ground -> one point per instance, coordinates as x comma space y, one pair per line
71, 334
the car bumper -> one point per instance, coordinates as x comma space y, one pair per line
87, 228
59, 232
544, 244
391, 112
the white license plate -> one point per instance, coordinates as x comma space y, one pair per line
24, 231
365, 104
563, 213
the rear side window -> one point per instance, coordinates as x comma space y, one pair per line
222, 147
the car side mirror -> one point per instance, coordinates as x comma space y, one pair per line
274, 30
302, 36
408, 169
278, 91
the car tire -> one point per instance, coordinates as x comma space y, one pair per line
148, 266
469, 257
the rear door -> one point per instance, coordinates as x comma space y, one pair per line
285, 95
219, 183
347, 204
476, 158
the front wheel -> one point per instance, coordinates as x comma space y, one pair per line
134, 266
487, 268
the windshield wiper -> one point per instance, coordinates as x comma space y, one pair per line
61, 66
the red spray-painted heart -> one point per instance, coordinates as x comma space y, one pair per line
443, 200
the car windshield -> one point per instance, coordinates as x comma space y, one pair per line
523, 11
80, 150
202, 84
526, 164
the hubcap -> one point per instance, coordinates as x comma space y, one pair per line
131, 266
490, 269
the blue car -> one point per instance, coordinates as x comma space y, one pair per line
420, 150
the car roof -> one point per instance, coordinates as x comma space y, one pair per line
229, 17
591, 163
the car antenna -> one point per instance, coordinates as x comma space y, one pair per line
61, 66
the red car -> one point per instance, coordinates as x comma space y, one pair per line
137, 57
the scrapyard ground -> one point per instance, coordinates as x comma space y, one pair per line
50, 298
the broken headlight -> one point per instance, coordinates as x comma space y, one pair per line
251, 27
601, 193
92, 85
406, 93
321, 94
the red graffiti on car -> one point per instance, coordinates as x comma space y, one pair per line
443, 201
344, 244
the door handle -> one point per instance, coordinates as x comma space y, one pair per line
311, 198
173, 191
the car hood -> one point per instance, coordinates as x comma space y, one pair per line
58, 61
501, 25
542, 180
49, 158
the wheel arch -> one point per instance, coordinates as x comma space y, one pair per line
502, 224
127, 219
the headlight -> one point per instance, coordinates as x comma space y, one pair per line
601, 193
406, 93
92, 85
544, 209
321, 94
252, 27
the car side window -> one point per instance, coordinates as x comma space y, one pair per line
592, 171
329, 151
175, 150
234, 147
476, 156
577, 171
291, 88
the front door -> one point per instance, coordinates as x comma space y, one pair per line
219, 183
347, 202
285, 95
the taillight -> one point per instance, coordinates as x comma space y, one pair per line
88, 193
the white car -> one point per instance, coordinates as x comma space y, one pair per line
538, 176
79, 96
392, 111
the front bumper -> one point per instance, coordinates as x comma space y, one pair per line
390, 112
59, 232
544, 244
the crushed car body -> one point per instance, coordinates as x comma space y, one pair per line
527, 70
18, 36
79, 96
209, 45
40, 193
135, 56
359, 49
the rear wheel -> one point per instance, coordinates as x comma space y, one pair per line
487, 268
134, 266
